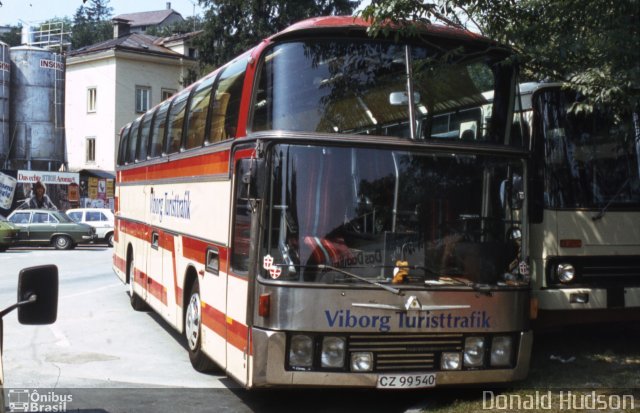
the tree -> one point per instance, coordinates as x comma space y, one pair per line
591, 44
233, 26
13, 37
91, 24
190, 24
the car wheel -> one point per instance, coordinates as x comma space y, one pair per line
193, 331
137, 302
62, 242
110, 239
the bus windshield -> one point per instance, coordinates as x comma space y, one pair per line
592, 159
363, 210
350, 86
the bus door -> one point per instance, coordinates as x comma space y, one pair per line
238, 300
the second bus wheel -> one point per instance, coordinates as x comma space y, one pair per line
193, 331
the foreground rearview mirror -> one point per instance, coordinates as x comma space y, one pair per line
38, 286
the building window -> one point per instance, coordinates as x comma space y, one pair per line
92, 96
167, 93
143, 98
91, 150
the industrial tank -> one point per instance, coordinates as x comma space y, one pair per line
5, 77
37, 109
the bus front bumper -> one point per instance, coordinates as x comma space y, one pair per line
588, 298
269, 368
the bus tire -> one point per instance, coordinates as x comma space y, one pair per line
193, 331
137, 302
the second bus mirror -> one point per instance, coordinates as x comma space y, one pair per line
253, 177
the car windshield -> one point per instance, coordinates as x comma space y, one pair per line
62, 217
364, 210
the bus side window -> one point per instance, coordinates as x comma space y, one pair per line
176, 121
145, 128
123, 144
133, 141
158, 130
225, 109
197, 118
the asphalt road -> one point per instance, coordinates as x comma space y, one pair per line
102, 356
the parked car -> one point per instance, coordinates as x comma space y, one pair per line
9, 234
45, 227
99, 218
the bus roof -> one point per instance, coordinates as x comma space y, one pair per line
355, 23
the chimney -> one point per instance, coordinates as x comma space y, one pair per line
168, 5
121, 27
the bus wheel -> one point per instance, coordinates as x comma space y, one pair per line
137, 302
193, 331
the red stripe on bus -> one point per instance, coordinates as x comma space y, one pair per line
119, 263
207, 164
214, 319
196, 250
167, 241
234, 332
135, 229
237, 335
157, 290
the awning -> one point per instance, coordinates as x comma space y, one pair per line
97, 173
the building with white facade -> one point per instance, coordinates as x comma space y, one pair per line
111, 83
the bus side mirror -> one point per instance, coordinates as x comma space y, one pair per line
252, 172
38, 288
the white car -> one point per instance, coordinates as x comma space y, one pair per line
99, 218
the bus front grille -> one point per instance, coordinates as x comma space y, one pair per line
406, 352
598, 271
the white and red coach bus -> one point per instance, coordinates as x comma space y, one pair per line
304, 223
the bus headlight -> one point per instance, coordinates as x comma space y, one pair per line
361, 361
301, 351
474, 351
450, 361
501, 349
333, 351
566, 272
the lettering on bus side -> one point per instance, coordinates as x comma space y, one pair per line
171, 204
403, 320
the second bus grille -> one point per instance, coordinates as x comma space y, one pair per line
406, 352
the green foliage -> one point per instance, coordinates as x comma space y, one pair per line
190, 24
234, 26
13, 37
591, 44
92, 24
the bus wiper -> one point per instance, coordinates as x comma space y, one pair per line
357, 277
604, 209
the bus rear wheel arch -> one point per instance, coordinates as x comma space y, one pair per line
137, 303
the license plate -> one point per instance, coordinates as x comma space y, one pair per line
406, 381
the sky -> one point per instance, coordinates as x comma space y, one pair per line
13, 12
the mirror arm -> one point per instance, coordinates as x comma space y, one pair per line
32, 299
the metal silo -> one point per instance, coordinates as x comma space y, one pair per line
5, 77
37, 109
